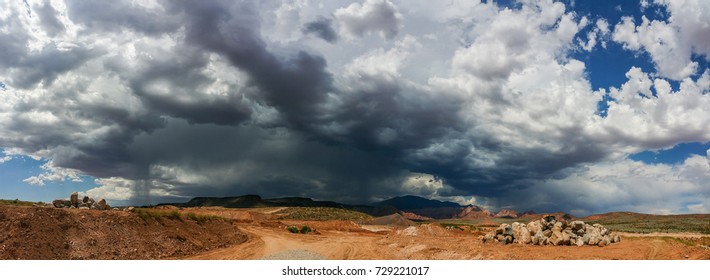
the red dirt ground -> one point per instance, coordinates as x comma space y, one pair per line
47, 233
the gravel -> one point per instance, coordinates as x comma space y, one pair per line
294, 255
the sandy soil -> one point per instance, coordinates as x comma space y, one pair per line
400, 244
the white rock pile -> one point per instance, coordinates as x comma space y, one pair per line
548, 231
85, 203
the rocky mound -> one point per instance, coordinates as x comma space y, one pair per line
85, 203
424, 230
40, 233
549, 231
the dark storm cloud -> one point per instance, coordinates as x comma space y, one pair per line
322, 28
270, 162
32, 67
294, 86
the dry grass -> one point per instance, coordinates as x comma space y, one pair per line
15, 202
146, 214
643, 223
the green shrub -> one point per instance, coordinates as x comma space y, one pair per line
306, 229
292, 229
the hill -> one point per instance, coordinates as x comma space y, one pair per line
415, 202
252, 201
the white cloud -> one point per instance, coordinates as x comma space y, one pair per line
113, 189
670, 43
640, 120
54, 173
379, 16
599, 32
627, 185
661, 40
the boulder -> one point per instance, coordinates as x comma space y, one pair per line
520, 233
556, 238
557, 226
508, 239
85, 199
534, 226
489, 237
526, 238
566, 238
594, 236
59, 203
102, 205
548, 219
579, 242
547, 233
607, 240
505, 229
577, 225
74, 198
585, 239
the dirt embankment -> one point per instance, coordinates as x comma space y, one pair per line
47, 233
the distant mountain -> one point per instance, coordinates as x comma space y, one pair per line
434, 209
473, 212
409, 206
250, 201
415, 202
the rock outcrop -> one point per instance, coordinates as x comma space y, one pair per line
549, 231
84, 203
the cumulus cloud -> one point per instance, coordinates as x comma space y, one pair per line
169, 100
627, 185
378, 16
670, 43
599, 32
53, 173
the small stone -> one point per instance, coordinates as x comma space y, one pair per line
617, 238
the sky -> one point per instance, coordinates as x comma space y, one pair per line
576, 106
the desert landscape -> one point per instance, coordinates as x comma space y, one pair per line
213, 229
